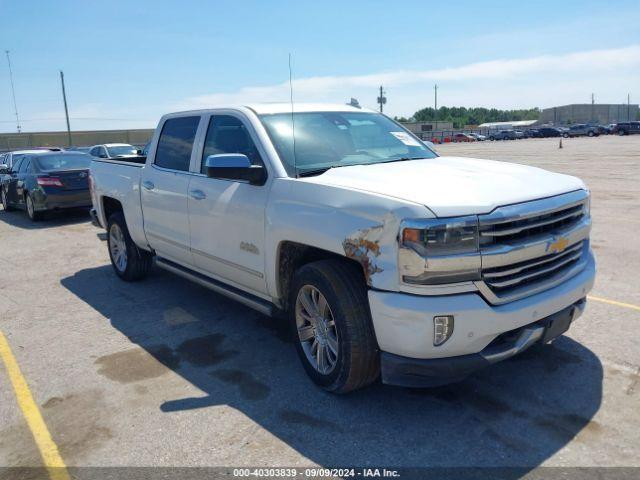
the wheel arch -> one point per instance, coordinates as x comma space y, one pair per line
291, 256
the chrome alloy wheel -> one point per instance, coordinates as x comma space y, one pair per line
30, 208
316, 329
118, 247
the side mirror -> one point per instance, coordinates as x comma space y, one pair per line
234, 166
4, 169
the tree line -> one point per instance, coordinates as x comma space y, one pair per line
461, 116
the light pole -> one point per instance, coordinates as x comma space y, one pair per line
13, 91
382, 99
66, 111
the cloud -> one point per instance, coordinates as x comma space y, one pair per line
572, 67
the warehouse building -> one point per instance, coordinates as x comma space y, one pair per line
426, 127
14, 141
596, 113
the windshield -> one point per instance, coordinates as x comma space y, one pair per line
64, 162
122, 150
334, 139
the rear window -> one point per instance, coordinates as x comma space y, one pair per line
63, 162
176, 142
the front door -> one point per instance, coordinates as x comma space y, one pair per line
226, 216
12, 184
164, 186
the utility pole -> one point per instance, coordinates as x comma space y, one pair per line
435, 104
13, 92
628, 107
593, 101
66, 111
382, 99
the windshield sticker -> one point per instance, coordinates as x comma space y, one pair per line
405, 138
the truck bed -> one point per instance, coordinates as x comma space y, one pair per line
137, 161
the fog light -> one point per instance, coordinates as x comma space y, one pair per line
442, 329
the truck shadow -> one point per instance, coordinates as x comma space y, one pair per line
19, 218
516, 413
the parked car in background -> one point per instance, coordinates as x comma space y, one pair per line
531, 133
113, 150
463, 137
581, 130
502, 135
478, 136
387, 259
519, 134
627, 128
11, 157
79, 149
39, 182
546, 132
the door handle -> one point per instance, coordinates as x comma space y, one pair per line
197, 194
148, 185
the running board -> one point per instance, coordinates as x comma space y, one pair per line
257, 303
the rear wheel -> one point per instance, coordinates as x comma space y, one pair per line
590, 134
129, 262
331, 321
5, 201
31, 209
621, 133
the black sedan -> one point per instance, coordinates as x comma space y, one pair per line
46, 181
546, 132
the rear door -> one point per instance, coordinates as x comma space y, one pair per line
227, 216
22, 178
164, 189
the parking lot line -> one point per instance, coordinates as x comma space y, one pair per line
48, 449
613, 302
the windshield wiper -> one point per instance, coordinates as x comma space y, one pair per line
403, 159
314, 172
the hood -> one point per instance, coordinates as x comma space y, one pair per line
452, 186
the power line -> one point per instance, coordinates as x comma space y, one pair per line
13, 91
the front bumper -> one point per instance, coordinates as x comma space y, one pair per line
411, 372
404, 323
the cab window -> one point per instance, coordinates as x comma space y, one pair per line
227, 134
176, 143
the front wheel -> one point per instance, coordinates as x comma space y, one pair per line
621, 133
129, 262
590, 134
565, 135
331, 321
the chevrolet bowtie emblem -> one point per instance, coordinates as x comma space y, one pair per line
557, 245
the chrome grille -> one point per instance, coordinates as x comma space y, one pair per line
529, 247
535, 270
502, 230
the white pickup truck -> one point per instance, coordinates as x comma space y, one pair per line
388, 259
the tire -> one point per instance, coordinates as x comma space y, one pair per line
565, 135
590, 134
353, 362
128, 261
31, 211
621, 133
5, 201
492, 138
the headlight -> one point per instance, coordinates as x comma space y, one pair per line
437, 251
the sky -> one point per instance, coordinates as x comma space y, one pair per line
128, 63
